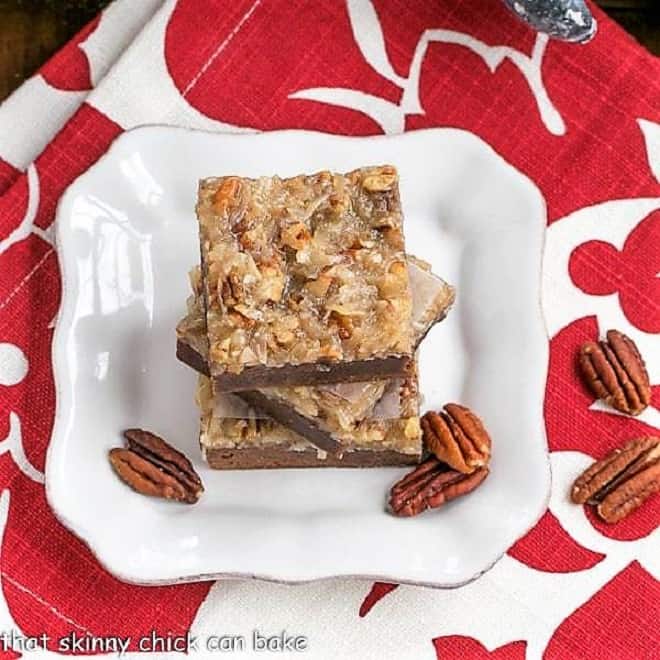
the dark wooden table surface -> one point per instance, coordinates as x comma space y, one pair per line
31, 30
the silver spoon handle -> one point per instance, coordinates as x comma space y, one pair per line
568, 20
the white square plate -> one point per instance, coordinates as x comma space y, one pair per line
127, 237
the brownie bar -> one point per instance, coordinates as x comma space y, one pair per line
325, 413
248, 442
304, 279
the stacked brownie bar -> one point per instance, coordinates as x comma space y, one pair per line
304, 321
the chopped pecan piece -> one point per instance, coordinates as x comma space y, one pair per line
344, 325
151, 466
615, 372
295, 235
619, 483
457, 436
319, 287
232, 290
430, 485
393, 236
273, 282
380, 182
227, 194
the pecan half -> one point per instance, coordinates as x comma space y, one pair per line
153, 467
457, 436
619, 483
430, 485
615, 372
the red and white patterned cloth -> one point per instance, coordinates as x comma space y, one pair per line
583, 122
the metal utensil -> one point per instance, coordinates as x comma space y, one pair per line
568, 20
